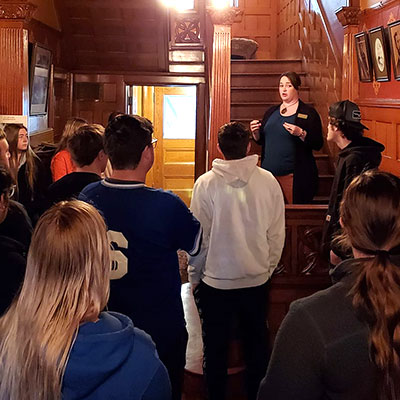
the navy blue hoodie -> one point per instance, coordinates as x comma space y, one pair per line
111, 359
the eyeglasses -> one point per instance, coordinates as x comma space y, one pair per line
10, 192
154, 142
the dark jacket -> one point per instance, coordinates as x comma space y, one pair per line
17, 224
305, 175
12, 269
360, 155
35, 201
321, 350
111, 359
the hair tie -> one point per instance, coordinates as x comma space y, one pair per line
382, 253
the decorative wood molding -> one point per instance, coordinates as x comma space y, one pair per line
187, 30
225, 16
22, 10
348, 15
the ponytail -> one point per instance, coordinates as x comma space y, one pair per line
370, 214
376, 299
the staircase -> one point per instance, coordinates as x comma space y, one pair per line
254, 88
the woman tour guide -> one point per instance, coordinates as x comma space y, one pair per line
288, 134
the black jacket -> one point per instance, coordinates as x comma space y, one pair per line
305, 175
12, 268
321, 350
360, 155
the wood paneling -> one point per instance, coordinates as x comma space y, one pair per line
258, 22
112, 97
14, 87
301, 271
115, 36
380, 101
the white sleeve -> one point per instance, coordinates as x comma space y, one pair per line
200, 207
276, 230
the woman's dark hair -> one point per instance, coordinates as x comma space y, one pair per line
293, 77
370, 214
6, 180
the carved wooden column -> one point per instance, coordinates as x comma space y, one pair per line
14, 69
348, 17
220, 97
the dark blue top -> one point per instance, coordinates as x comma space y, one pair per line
280, 145
149, 226
110, 359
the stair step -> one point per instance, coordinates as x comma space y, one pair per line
321, 200
323, 164
265, 65
325, 184
256, 79
253, 110
269, 93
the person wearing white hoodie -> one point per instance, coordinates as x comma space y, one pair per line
241, 209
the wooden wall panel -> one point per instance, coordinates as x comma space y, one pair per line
380, 101
258, 22
384, 126
112, 97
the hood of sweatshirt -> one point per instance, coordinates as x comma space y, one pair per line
366, 149
236, 173
100, 351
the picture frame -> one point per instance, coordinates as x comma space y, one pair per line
363, 52
379, 54
394, 40
39, 79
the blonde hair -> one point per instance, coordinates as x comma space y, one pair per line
70, 128
12, 132
66, 283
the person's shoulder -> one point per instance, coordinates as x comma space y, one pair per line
92, 187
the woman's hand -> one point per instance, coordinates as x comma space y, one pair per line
255, 129
295, 130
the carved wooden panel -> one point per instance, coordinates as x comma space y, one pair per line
187, 29
301, 271
258, 22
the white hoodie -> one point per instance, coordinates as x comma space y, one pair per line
241, 209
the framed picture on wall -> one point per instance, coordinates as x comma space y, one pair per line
39, 79
394, 39
364, 61
379, 54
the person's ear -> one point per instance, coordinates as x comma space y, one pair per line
248, 148
101, 155
341, 222
220, 151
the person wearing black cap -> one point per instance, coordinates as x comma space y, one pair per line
288, 134
357, 154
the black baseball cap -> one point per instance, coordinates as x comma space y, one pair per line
348, 112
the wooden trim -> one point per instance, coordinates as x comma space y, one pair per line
200, 165
337, 53
382, 4
379, 103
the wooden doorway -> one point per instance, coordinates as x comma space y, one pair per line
172, 109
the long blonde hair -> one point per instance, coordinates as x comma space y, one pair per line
70, 128
370, 213
12, 132
66, 283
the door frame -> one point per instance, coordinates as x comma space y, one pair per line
200, 150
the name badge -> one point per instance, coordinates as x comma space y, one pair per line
304, 116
